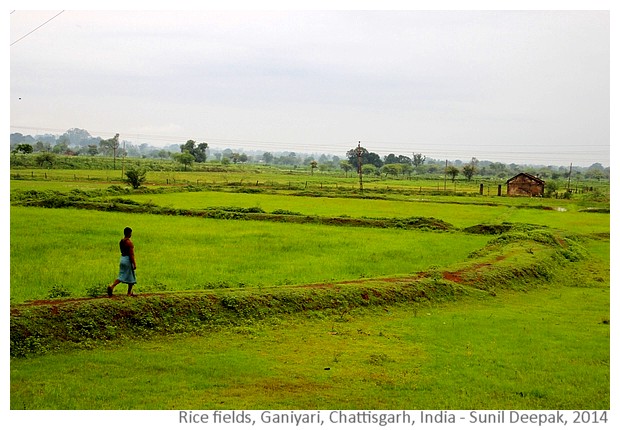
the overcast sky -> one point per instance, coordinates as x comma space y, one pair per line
510, 86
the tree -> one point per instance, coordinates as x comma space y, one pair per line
469, 170
79, 137
313, 165
452, 172
497, 168
418, 160
369, 169
92, 150
374, 159
595, 171
42, 146
60, 148
403, 159
135, 176
551, 188
393, 169
189, 146
111, 144
367, 157
198, 151
268, 157
594, 174
433, 168
393, 159
201, 152
185, 158
24, 148
346, 166
17, 138
45, 157
406, 169
390, 159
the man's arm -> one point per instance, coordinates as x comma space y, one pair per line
132, 257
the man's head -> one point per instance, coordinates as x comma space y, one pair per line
127, 231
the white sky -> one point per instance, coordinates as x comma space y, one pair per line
513, 86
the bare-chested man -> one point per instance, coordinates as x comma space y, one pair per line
127, 269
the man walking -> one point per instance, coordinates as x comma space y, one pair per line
127, 267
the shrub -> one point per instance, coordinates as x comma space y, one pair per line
58, 291
135, 176
96, 290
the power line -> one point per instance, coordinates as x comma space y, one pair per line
386, 146
32, 31
438, 150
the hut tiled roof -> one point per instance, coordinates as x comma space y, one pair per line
532, 177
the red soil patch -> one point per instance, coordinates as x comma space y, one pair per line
458, 275
453, 276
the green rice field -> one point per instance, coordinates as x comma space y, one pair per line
512, 314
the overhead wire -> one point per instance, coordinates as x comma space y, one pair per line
435, 150
35, 29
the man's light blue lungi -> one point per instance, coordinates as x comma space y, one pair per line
126, 273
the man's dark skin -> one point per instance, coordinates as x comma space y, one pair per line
126, 246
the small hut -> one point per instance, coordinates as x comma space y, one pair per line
525, 184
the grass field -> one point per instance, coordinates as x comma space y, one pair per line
461, 212
79, 249
547, 349
543, 343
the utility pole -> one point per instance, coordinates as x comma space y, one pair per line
123, 163
115, 144
570, 170
445, 173
359, 165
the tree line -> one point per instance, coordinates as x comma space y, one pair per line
75, 142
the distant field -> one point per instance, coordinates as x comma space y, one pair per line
265, 176
459, 211
463, 212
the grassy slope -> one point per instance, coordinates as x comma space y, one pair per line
489, 354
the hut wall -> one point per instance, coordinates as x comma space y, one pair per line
524, 186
